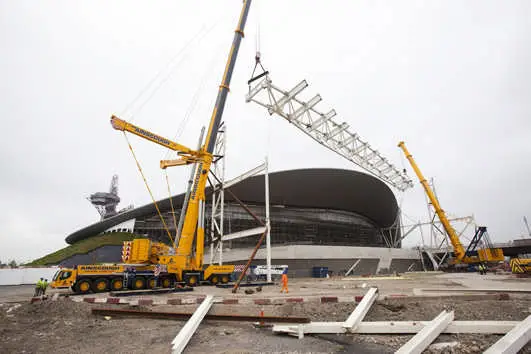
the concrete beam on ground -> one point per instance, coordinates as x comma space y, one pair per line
470, 290
426, 335
186, 333
361, 310
402, 327
513, 341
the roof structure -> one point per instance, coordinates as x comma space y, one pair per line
324, 188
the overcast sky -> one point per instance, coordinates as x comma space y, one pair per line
451, 78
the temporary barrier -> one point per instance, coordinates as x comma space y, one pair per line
21, 276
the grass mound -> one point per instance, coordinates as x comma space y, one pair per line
84, 247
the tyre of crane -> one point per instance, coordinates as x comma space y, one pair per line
214, 279
165, 282
100, 285
117, 284
83, 286
139, 283
225, 278
151, 283
191, 279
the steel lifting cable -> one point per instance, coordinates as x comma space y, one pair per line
201, 34
159, 73
171, 204
179, 132
149, 190
195, 99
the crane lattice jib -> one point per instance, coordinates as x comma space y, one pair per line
320, 127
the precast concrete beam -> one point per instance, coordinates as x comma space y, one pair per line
426, 335
186, 333
513, 341
361, 310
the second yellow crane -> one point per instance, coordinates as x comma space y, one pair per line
471, 255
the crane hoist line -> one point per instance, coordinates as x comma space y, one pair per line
144, 259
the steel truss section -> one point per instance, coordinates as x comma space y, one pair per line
218, 197
320, 127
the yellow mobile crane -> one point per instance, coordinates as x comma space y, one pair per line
177, 263
471, 255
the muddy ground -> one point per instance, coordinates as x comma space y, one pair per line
65, 326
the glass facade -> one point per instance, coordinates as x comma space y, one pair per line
289, 225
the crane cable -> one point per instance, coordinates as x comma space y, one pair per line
179, 132
149, 190
171, 204
140, 94
165, 73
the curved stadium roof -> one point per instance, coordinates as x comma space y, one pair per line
313, 188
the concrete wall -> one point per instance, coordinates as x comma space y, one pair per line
302, 259
20, 276
403, 265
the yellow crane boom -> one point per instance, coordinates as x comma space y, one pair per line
188, 156
459, 250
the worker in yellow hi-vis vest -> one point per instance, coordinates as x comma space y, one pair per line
284, 281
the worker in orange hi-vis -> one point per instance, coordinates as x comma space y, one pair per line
284, 281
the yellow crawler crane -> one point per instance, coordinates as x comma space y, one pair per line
471, 255
184, 263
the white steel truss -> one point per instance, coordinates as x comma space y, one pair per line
320, 127
216, 230
218, 197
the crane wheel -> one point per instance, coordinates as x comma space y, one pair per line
139, 283
214, 279
225, 278
100, 285
83, 286
151, 283
117, 284
191, 280
165, 282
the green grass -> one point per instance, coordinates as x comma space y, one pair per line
84, 247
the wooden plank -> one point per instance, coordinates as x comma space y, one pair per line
426, 335
186, 333
514, 340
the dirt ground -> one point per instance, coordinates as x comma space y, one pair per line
65, 326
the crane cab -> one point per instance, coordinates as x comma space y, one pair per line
64, 278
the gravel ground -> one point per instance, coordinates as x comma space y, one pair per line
65, 326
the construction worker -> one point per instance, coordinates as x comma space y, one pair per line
284, 281
38, 287
481, 269
44, 286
